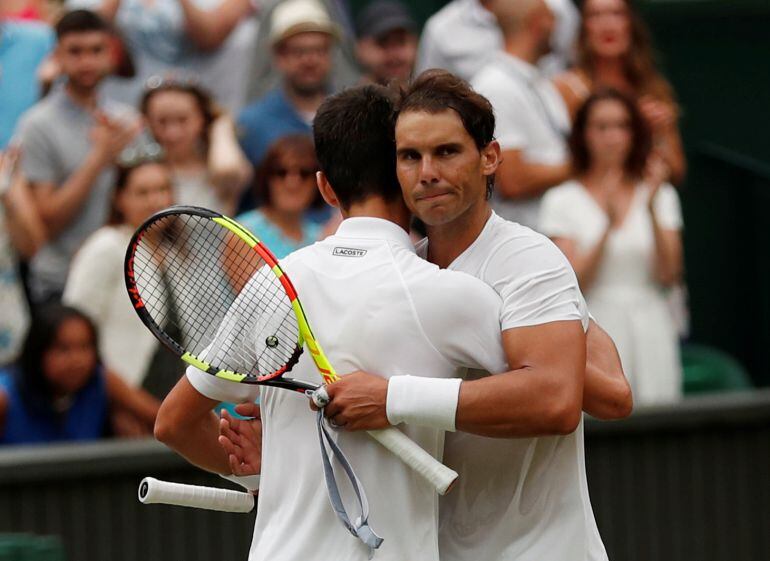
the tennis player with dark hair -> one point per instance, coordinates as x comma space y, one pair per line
522, 498
375, 305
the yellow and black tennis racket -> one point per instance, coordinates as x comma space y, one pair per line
212, 293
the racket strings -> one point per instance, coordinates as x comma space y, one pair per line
215, 296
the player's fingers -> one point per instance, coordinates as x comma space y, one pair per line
226, 444
248, 409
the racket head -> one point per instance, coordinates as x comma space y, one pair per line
215, 296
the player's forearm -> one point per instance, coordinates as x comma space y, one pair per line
187, 424
520, 403
59, 207
196, 441
606, 393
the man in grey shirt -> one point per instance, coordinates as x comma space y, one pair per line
70, 141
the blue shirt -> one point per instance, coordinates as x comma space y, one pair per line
85, 419
265, 121
270, 235
23, 46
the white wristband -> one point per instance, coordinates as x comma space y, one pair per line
248, 482
429, 402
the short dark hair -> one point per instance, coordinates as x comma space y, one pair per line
80, 21
354, 142
435, 91
641, 139
299, 145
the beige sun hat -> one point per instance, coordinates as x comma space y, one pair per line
300, 16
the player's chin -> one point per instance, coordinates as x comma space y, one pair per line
435, 214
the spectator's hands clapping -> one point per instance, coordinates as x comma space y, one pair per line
110, 136
659, 115
656, 172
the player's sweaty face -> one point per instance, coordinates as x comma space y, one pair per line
439, 166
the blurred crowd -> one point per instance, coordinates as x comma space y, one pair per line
111, 110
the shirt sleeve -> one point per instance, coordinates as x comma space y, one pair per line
461, 318
220, 389
38, 158
667, 208
536, 283
233, 344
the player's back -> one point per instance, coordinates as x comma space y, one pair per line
373, 305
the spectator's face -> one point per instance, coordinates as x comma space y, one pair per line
607, 27
292, 184
85, 58
304, 60
147, 191
70, 361
176, 122
442, 173
608, 133
390, 57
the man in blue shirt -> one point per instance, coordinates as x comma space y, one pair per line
302, 35
23, 46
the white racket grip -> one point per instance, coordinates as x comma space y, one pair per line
152, 491
436, 473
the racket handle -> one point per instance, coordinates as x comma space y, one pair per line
437, 474
152, 491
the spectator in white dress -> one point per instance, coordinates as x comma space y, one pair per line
95, 283
619, 224
199, 143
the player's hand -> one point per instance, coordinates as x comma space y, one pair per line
242, 439
357, 402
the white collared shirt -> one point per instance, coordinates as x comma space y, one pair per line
463, 35
520, 499
530, 116
374, 305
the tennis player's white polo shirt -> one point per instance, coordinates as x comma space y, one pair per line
522, 499
374, 305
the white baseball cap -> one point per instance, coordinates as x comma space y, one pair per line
300, 16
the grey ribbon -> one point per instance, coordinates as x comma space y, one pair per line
360, 527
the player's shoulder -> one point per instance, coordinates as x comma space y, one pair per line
512, 245
446, 288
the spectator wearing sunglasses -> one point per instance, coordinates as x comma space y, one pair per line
285, 186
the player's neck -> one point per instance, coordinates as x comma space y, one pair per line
377, 207
447, 242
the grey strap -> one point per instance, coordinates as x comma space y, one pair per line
360, 527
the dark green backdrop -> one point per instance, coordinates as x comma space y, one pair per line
716, 55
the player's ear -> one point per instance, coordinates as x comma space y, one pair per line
491, 156
326, 189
